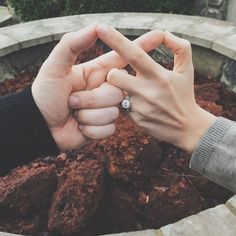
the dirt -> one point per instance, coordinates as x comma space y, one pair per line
78, 196
127, 182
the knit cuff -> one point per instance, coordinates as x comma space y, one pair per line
208, 143
38, 131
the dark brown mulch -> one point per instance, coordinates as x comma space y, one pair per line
127, 182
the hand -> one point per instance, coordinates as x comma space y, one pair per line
59, 77
162, 101
95, 72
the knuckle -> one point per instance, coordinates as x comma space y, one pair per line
90, 100
137, 118
135, 56
158, 34
112, 73
89, 132
152, 96
118, 94
186, 44
66, 36
143, 112
164, 83
115, 113
81, 117
112, 129
76, 115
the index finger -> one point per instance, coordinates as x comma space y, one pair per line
147, 42
129, 51
110, 60
104, 96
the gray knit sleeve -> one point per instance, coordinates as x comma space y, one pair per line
215, 155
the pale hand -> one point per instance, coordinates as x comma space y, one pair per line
162, 101
58, 78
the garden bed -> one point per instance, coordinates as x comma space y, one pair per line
127, 182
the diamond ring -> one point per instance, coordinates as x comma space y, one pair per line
126, 104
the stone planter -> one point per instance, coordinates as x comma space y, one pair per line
213, 41
12, 12
5, 16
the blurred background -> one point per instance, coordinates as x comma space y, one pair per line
26, 10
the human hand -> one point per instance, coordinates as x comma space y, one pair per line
162, 101
59, 77
95, 72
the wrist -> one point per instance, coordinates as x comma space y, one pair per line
196, 126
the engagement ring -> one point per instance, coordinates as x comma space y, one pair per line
126, 104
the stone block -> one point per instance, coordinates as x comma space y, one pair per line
216, 221
7, 45
24, 58
59, 26
6, 70
128, 22
231, 204
204, 32
226, 46
150, 232
106, 18
207, 62
229, 74
4, 15
28, 34
174, 23
159, 233
216, 2
231, 17
7, 234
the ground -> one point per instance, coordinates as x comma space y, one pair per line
127, 182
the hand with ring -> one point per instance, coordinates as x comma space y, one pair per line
93, 101
161, 101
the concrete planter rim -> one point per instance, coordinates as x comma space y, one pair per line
211, 34
216, 35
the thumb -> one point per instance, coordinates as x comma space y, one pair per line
182, 52
122, 80
63, 56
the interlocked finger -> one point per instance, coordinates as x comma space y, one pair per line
97, 132
97, 117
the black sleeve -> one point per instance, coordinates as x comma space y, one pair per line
24, 134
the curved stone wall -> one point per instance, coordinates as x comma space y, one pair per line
213, 41
5, 16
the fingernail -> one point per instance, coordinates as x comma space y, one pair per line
102, 29
81, 127
74, 101
124, 71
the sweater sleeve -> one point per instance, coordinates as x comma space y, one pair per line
24, 134
215, 156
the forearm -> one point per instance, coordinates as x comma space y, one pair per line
24, 134
215, 156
